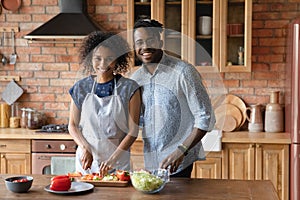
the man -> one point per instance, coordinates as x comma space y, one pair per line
177, 108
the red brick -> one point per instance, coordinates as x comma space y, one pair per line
108, 9
38, 82
42, 97
46, 74
56, 106
43, 58
254, 83
52, 89
56, 67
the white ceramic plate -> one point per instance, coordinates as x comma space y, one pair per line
76, 187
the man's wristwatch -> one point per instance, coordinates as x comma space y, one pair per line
183, 149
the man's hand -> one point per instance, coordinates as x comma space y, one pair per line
173, 161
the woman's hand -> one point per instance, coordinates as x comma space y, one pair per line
173, 161
86, 159
104, 167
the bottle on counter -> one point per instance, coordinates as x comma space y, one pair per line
14, 120
274, 114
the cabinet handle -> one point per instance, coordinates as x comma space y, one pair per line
2, 156
252, 145
2, 145
258, 146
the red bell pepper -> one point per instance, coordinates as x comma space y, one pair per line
60, 183
123, 175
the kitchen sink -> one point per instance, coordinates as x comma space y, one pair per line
212, 141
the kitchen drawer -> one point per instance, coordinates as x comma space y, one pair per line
15, 146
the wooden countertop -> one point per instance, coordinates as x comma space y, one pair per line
227, 137
22, 133
180, 188
259, 137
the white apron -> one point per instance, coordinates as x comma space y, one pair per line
103, 124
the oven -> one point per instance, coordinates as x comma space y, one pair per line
53, 156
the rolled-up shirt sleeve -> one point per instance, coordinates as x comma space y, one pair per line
198, 99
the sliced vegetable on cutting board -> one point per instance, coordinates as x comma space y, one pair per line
12, 92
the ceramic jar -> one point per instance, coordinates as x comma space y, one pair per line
274, 114
204, 25
255, 120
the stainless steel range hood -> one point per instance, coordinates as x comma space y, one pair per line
72, 22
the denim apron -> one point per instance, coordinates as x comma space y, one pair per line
103, 124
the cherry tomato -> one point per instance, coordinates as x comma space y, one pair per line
20, 180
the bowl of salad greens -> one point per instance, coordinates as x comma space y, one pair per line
149, 182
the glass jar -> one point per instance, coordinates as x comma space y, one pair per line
35, 119
24, 120
14, 120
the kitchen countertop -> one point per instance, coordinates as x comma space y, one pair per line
180, 188
259, 137
23, 133
227, 137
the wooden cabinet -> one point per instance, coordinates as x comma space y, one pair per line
256, 161
210, 168
137, 155
211, 51
15, 157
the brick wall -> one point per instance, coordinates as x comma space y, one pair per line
48, 70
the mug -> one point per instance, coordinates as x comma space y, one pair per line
205, 25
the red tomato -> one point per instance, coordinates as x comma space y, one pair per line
60, 183
123, 175
20, 180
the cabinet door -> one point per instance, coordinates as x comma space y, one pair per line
273, 164
15, 163
209, 168
238, 161
172, 19
204, 34
236, 29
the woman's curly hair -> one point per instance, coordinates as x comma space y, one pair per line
112, 41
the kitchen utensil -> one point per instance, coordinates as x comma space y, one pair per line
76, 188
11, 5
255, 118
255, 114
13, 56
227, 122
12, 92
3, 59
229, 110
19, 187
234, 100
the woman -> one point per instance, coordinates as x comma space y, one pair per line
105, 106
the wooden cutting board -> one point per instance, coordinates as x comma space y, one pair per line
105, 183
224, 114
234, 100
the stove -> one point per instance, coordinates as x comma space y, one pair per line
54, 128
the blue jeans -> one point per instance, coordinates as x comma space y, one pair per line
186, 173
